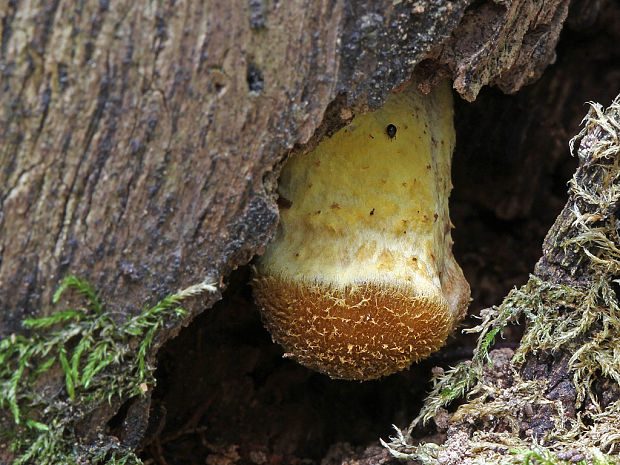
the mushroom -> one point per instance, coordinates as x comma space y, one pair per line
360, 280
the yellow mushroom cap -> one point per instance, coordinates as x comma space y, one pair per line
360, 280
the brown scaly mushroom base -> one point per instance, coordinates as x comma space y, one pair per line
360, 332
360, 280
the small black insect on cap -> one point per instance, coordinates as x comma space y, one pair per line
391, 131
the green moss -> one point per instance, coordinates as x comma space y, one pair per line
96, 360
582, 320
541, 456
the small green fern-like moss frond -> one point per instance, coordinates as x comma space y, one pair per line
84, 288
57, 318
99, 361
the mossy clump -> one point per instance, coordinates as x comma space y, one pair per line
71, 363
571, 307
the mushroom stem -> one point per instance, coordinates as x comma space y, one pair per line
360, 280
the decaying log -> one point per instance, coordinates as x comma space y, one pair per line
140, 142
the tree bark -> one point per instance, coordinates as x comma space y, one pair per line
139, 140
